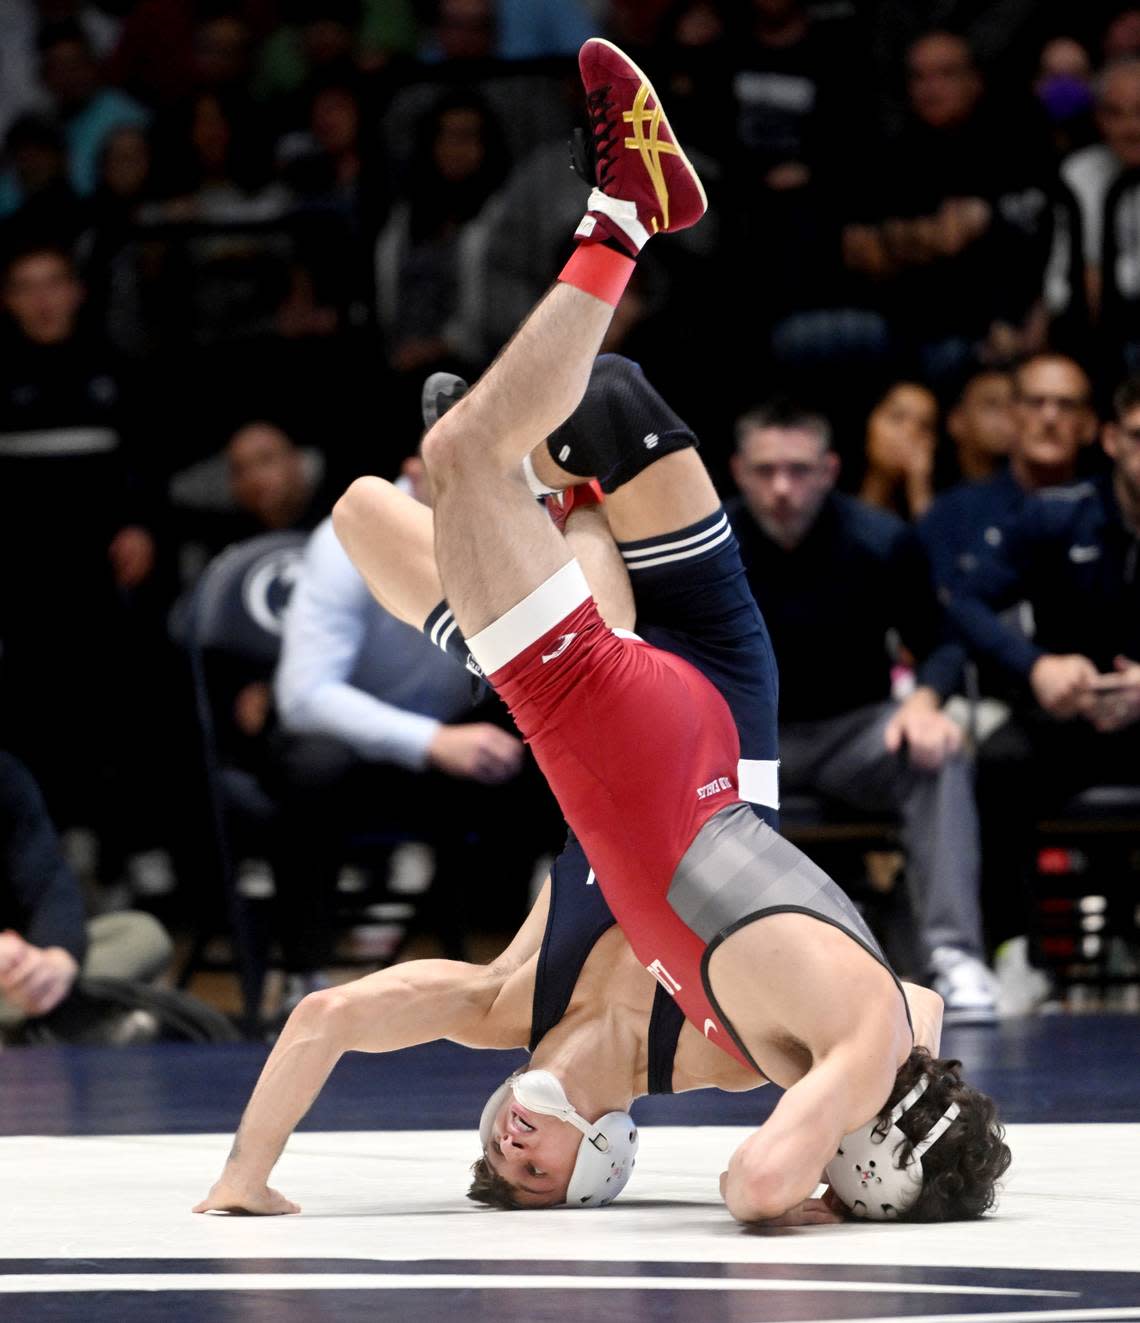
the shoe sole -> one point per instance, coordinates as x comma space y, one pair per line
601, 41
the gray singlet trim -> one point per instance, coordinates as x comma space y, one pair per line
738, 870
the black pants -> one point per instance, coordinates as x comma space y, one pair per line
332, 803
1027, 770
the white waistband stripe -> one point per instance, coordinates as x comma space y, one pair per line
759, 781
59, 441
530, 619
698, 550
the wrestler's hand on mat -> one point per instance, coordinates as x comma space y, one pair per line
1062, 683
229, 1197
479, 752
928, 733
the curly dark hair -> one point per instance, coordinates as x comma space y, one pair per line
961, 1170
489, 1188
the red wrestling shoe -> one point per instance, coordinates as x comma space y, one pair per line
560, 505
645, 183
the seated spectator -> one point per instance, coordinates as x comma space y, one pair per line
1064, 88
272, 486
981, 425
1070, 552
902, 433
459, 31
169, 48
961, 238
36, 201
323, 43
377, 731
76, 516
830, 573
123, 190
1091, 172
1050, 420
330, 164
21, 24
215, 162
87, 110
434, 235
46, 941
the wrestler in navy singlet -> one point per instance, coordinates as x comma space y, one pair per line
693, 600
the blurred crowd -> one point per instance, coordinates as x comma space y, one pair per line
236, 236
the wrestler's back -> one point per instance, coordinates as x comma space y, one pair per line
795, 988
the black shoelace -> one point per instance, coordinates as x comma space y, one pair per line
604, 131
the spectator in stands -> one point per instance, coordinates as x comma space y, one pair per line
981, 425
46, 940
76, 516
902, 433
961, 226
375, 732
694, 59
332, 165
87, 110
460, 31
1071, 553
1064, 88
830, 573
36, 200
431, 247
1091, 172
216, 165
317, 47
1052, 421
272, 486
21, 24
1049, 420
170, 48
1122, 36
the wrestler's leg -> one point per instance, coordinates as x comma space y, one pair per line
389, 536
494, 544
655, 481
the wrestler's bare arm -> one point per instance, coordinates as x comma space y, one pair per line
419, 1001
926, 1016
779, 1166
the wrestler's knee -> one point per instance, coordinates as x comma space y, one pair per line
357, 505
455, 447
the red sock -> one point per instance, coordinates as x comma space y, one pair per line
599, 270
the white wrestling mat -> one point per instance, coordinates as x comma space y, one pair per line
1072, 1201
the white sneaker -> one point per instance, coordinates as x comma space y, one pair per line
965, 984
1022, 988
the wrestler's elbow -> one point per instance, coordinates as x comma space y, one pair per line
762, 1186
325, 1015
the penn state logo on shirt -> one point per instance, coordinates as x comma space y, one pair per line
268, 584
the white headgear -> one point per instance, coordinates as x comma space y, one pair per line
609, 1145
864, 1173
